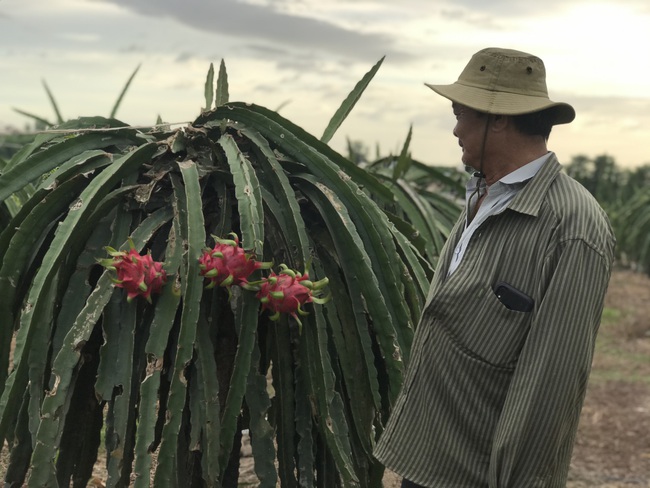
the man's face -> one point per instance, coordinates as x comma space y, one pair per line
470, 131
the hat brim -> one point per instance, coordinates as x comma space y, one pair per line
504, 103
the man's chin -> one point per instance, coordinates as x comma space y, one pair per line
469, 166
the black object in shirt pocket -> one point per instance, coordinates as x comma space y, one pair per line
512, 298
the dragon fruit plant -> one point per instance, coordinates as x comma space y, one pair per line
169, 385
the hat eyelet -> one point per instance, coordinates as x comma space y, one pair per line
482, 68
529, 70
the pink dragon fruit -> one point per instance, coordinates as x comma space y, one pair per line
155, 276
288, 291
138, 275
228, 264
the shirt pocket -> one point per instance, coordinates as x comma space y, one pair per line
490, 332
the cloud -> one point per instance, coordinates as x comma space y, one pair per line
471, 17
131, 48
513, 9
266, 50
183, 57
266, 23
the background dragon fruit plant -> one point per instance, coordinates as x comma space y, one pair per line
169, 385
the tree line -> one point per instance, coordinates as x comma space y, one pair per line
624, 193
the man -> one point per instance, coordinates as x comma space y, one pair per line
501, 357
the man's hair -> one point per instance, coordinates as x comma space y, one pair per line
536, 123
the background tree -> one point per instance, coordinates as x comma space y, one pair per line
601, 176
625, 196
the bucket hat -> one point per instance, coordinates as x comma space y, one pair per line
505, 82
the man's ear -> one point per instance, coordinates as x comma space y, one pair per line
499, 122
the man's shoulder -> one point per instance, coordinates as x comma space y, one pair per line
568, 197
577, 213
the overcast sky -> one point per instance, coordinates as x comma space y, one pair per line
305, 56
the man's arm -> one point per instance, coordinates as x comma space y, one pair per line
535, 434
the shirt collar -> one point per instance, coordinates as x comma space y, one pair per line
526, 172
513, 179
541, 172
530, 198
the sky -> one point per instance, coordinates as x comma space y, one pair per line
303, 57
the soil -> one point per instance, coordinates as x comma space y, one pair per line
612, 449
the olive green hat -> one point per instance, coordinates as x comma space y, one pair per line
505, 82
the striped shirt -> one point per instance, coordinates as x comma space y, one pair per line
492, 396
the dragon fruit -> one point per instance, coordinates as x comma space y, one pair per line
228, 264
155, 276
138, 275
288, 291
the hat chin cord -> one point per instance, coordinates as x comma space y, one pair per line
479, 174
